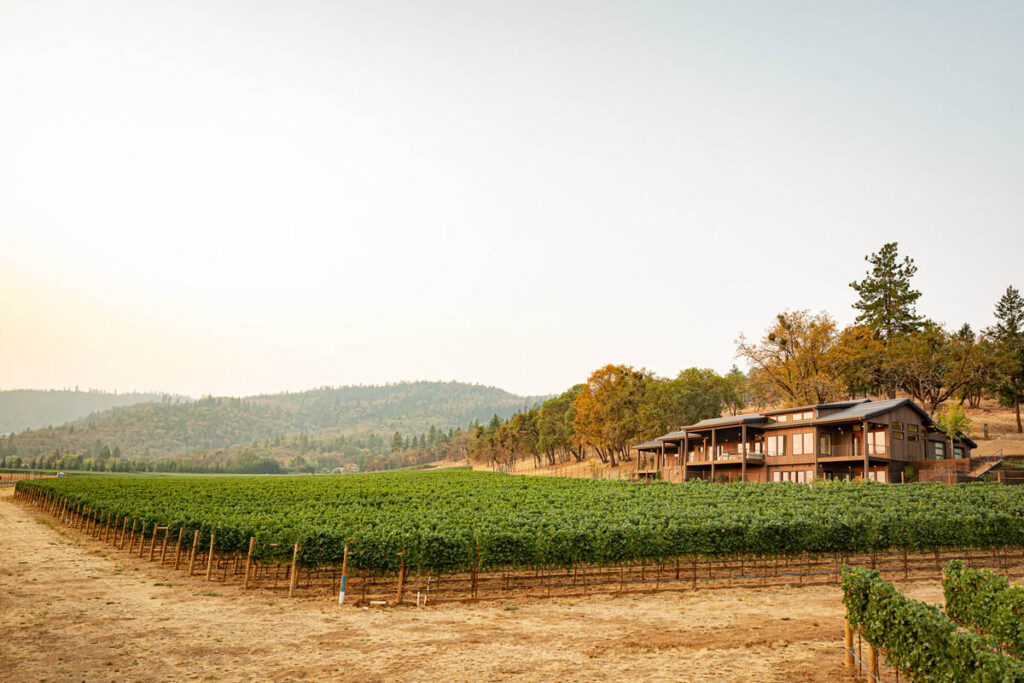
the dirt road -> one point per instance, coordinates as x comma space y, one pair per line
73, 610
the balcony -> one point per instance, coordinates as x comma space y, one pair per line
846, 450
728, 454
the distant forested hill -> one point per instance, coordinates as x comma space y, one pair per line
23, 409
169, 428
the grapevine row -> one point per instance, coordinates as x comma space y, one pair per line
455, 521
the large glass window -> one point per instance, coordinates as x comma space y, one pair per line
940, 450
776, 444
876, 442
803, 444
825, 444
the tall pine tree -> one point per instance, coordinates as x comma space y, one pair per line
887, 302
1008, 336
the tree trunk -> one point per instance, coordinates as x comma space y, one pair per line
1019, 430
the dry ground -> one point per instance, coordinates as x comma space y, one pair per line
72, 610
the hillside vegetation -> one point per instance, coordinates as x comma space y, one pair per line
22, 409
170, 428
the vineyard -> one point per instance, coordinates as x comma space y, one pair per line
978, 637
485, 531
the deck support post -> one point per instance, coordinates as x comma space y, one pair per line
685, 453
743, 453
864, 446
711, 456
815, 448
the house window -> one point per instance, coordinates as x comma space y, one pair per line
876, 443
897, 435
781, 418
776, 444
940, 450
803, 444
825, 444
897, 426
958, 452
776, 476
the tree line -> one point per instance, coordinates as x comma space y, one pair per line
802, 358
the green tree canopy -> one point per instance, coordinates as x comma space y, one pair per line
887, 302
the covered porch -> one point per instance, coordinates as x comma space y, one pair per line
652, 457
727, 449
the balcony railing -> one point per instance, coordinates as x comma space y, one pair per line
757, 452
846, 450
732, 453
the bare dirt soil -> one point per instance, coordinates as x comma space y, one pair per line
73, 610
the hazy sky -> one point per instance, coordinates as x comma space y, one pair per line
241, 197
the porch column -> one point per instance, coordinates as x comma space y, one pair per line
685, 454
743, 453
864, 445
712, 456
661, 460
815, 448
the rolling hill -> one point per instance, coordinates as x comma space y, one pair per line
174, 427
22, 409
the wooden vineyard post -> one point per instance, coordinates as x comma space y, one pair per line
873, 660
248, 563
163, 548
293, 578
124, 530
344, 575
177, 548
106, 532
192, 551
131, 548
476, 569
209, 557
849, 644
152, 542
401, 579
142, 540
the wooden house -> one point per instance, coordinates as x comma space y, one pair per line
864, 439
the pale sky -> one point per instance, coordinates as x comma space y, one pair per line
243, 197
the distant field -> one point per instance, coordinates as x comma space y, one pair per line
446, 520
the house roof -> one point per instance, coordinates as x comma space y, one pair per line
730, 420
817, 406
867, 409
654, 445
841, 404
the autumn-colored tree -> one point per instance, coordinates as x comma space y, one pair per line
607, 415
933, 365
860, 359
796, 357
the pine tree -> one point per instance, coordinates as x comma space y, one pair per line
396, 443
1009, 327
887, 302
1008, 336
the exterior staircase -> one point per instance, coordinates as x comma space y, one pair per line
986, 465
